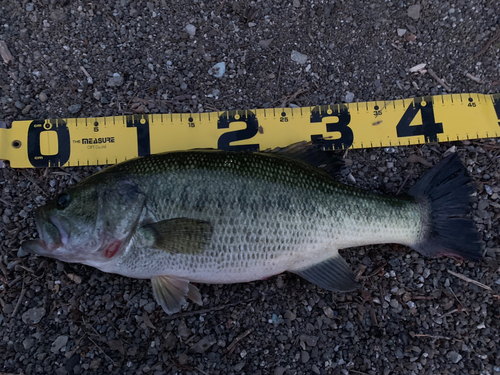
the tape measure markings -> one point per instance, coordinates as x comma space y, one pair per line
67, 142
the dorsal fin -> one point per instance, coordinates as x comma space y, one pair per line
312, 154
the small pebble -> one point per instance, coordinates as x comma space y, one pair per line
58, 344
116, 80
453, 356
28, 343
298, 57
218, 69
239, 366
304, 356
203, 345
34, 315
74, 108
349, 97
183, 358
414, 11
309, 340
191, 30
43, 97
328, 312
265, 43
290, 315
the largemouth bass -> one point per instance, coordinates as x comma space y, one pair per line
230, 217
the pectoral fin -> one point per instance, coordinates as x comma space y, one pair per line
171, 292
181, 235
332, 274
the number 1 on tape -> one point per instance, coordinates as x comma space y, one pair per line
108, 140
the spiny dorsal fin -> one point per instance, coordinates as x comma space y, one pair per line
312, 154
181, 235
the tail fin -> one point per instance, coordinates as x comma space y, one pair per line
446, 189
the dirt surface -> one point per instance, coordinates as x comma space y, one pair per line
411, 315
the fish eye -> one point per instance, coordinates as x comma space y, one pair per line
63, 201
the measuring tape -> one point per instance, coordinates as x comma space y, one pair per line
109, 140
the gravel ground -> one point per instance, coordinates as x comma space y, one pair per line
410, 316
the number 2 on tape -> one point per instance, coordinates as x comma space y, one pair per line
251, 129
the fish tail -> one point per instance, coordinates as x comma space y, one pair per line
446, 192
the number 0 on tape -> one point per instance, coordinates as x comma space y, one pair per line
109, 140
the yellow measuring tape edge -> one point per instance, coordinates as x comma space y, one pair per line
108, 140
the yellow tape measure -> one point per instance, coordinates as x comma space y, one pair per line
109, 140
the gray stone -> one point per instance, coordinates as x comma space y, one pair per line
453, 356
59, 343
43, 97
191, 30
290, 315
203, 345
149, 307
28, 343
183, 331
309, 340
394, 303
183, 358
116, 80
218, 69
349, 97
298, 57
26, 109
30, 7
482, 204
74, 108
239, 366
279, 370
34, 315
304, 356
414, 11
265, 43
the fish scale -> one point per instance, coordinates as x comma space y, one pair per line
269, 215
227, 217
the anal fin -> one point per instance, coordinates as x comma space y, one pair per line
332, 274
171, 292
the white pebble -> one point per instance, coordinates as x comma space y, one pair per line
298, 57
349, 97
218, 69
191, 30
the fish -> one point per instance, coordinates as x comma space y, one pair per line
220, 217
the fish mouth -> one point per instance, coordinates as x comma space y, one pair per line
52, 236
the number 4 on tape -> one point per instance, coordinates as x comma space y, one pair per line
108, 140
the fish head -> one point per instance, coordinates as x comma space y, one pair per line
88, 224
